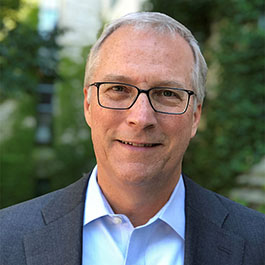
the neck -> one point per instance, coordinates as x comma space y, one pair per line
138, 202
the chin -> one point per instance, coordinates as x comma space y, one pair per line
138, 173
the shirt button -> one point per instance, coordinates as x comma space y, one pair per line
117, 220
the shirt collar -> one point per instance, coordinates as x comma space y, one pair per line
99, 206
172, 213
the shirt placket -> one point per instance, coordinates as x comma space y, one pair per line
137, 247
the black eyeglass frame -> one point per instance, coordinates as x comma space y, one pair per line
189, 92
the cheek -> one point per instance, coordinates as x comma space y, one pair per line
103, 122
98, 131
181, 130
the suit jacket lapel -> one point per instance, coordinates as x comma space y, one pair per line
60, 240
206, 242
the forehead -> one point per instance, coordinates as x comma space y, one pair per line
138, 52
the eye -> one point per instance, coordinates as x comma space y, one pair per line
118, 88
171, 94
168, 93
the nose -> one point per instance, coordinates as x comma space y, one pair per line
141, 114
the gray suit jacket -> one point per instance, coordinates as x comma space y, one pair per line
48, 230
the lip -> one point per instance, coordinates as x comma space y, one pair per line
139, 144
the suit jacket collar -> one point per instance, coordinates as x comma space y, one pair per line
206, 241
59, 241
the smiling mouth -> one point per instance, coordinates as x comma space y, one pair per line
138, 144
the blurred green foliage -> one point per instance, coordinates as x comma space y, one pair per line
72, 144
16, 147
18, 75
26, 59
231, 139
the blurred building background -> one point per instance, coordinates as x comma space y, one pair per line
44, 140
82, 19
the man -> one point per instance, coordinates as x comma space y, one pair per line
143, 94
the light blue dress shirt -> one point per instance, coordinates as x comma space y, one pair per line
111, 239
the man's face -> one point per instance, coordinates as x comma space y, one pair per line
140, 146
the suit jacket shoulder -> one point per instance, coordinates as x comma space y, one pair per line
31, 231
220, 231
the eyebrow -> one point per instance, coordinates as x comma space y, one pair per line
118, 78
172, 83
159, 83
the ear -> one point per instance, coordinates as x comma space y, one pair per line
196, 120
87, 109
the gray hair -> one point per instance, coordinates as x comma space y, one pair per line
161, 23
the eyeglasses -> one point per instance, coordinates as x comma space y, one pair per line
121, 96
